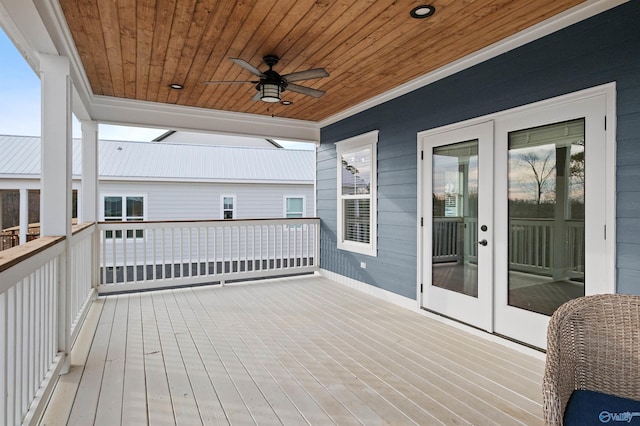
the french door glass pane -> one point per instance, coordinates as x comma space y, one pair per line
546, 216
455, 217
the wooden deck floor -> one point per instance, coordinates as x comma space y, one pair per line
293, 351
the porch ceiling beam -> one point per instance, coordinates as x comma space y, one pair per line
149, 114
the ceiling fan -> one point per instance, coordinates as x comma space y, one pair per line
271, 84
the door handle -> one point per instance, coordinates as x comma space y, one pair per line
483, 242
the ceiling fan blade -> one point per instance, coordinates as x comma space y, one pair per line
306, 75
305, 90
229, 82
257, 96
247, 66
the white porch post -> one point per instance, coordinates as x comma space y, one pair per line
55, 180
55, 195
24, 215
89, 189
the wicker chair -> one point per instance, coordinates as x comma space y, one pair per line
593, 343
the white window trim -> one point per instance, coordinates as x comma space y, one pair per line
369, 139
235, 205
284, 204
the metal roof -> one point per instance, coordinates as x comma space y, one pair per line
124, 160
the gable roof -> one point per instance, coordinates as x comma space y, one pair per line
162, 161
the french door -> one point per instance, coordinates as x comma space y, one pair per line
458, 234
551, 204
514, 214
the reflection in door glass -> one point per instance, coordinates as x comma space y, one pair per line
455, 217
546, 216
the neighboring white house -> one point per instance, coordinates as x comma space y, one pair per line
178, 181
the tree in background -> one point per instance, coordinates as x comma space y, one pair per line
542, 169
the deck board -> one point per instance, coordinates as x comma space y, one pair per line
134, 404
289, 351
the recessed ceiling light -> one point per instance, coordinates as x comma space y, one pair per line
423, 11
286, 102
176, 86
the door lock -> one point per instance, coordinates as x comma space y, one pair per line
483, 242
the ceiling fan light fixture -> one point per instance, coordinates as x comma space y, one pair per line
270, 92
422, 11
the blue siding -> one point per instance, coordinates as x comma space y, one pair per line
599, 50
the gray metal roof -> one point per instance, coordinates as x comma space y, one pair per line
20, 157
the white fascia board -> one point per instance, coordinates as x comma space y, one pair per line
119, 111
8, 182
569, 17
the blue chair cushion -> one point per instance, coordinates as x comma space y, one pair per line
594, 408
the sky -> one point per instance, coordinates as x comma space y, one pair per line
20, 104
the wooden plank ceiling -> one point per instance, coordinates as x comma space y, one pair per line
135, 48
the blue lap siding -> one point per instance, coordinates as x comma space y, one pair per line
599, 50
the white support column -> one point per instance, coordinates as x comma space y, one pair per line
24, 215
55, 195
89, 190
56, 179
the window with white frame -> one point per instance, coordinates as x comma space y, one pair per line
294, 206
228, 206
123, 208
357, 193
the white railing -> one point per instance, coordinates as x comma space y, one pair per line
531, 243
450, 234
149, 255
446, 239
40, 308
81, 277
532, 246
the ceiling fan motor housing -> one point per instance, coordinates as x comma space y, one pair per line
271, 76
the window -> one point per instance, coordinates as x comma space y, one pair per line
119, 208
228, 206
357, 193
294, 206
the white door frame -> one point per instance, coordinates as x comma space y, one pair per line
608, 256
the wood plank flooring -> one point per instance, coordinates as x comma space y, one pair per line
292, 351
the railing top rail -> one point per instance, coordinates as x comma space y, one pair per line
17, 254
76, 229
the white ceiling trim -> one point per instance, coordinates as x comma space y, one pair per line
551, 25
128, 112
